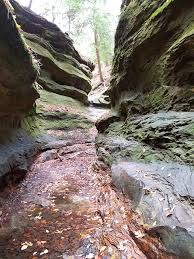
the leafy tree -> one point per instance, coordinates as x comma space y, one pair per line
103, 38
73, 9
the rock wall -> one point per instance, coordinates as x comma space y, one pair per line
153, 63
148, 137
18, 71
35, 52
63, 70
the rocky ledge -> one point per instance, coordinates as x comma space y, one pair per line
63, 70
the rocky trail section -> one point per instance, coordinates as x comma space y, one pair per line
66, 208
70, 204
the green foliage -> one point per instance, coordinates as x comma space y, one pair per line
105, 33
80, 18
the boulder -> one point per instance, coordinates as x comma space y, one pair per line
105, 120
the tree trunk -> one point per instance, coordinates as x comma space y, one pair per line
30, 4
53, 14
98, 55
69, 24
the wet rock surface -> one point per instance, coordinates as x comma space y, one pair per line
155, 137
70, 204
30, 46
17, 97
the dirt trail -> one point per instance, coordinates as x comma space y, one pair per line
67, 208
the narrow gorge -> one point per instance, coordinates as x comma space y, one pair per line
105, 171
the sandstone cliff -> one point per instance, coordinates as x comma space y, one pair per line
63, 71
153, 63
149, 134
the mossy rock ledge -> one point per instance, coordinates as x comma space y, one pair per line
63, 70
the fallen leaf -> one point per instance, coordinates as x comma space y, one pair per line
90, 256
58, 232
24, 247
44, 252
121, 246
39, 243
102, 249
168, 214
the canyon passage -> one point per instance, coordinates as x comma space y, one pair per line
97, 156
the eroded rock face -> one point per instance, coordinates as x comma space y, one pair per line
17, 71
153, 63
150, 150
152, 158
63, 70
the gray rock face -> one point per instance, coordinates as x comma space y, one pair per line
17, 149
151, 148
40, 44
164, 194
108, 118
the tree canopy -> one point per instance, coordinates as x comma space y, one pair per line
88, 23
